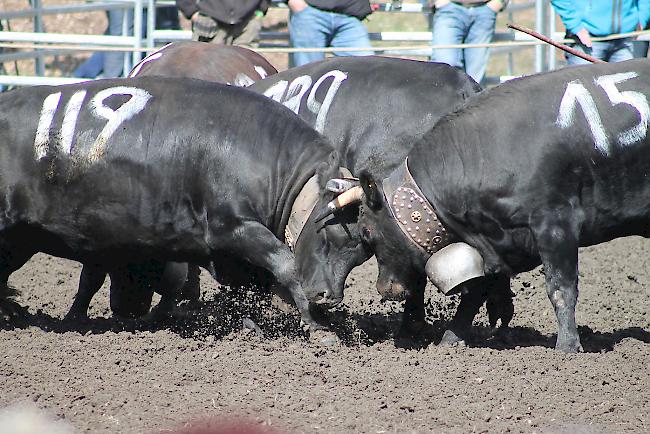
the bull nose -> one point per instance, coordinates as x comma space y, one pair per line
392, 291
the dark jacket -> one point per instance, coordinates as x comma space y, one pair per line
354, 8
224, 11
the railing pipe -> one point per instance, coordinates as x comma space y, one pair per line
39, 66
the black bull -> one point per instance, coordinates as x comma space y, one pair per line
115, 172
132, 285
526, 174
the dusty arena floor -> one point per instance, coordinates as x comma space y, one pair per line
137, 377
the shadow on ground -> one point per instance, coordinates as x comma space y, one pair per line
230, 310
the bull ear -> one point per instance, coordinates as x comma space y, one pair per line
370, 190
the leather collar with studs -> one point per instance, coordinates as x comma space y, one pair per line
415, 216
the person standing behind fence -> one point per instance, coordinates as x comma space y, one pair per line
111, 64
228, 22
467, 22
585, 19
328, 23
108, 64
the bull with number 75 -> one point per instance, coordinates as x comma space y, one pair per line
524, 175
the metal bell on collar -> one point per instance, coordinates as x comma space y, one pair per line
453, 265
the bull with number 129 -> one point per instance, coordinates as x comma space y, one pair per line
524, 175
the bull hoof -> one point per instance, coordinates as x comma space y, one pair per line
190, 293
10, 311
75, 317
410, 329
569, 346
451, 339
166, 308
324, 338
503, 312
310, 326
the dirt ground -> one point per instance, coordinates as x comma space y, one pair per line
143, 377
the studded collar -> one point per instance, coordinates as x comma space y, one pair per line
415, 216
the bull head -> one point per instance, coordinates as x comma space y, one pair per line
447, 267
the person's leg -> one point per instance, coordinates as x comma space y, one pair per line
167, 18
620, 50
113, 60
308, 28
350, 32
481, 31
449, 27
92, 67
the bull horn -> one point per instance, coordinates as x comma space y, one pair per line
353, 195
453, 265
338, 185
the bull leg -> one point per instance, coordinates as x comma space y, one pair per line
499, 303
493, 289
170, 286
132, 287
558, 249
472, 296
413, 318
11, 259
261, 248
191, 289
91, 279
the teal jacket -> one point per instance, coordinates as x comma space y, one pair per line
603, 17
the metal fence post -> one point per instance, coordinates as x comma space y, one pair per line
39, 66
137, 31
125, 32
511, 60
552, 29
151, 22
540, 21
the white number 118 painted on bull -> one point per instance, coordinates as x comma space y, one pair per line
576, 93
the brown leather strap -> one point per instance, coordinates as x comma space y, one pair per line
300, 211
415, 216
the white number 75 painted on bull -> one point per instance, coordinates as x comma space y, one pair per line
114, 118
576, 93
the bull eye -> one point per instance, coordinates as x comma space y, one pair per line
365, 234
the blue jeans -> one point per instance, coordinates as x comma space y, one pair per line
455, 24
617, 50
107, 63
314, 28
